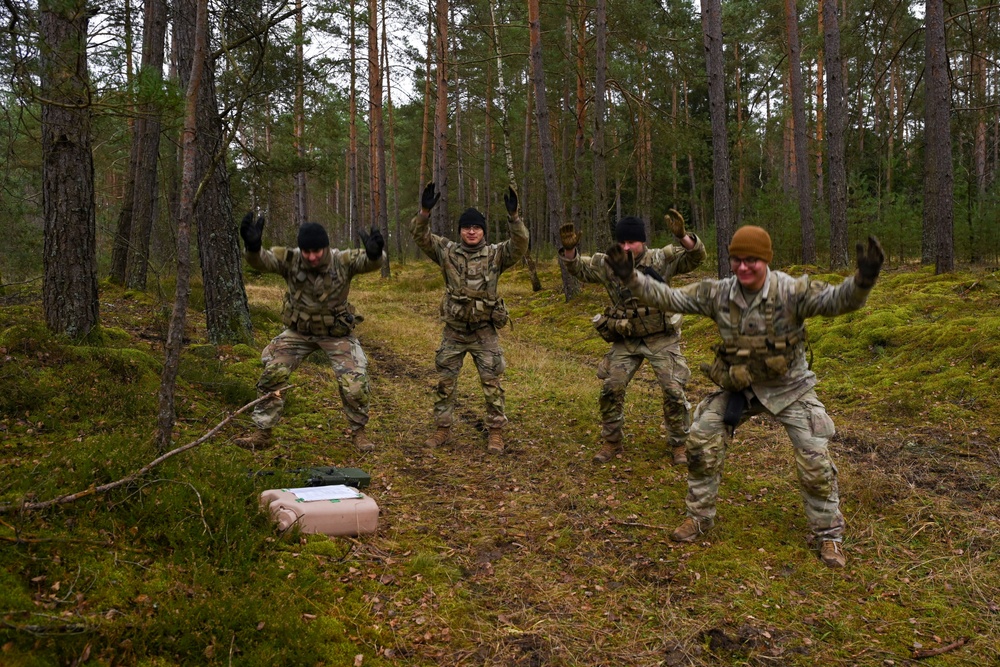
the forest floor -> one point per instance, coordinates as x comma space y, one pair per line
533, 557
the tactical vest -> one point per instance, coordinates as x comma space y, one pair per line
627, 318
316, 302
741, 360
470, 301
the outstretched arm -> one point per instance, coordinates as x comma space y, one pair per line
514, 248
420, 226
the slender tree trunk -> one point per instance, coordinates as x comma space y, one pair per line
697, 219
552, 194
69, 283
354, 217
189, 184
602, 224
580, 115
938, 245
426, 131
800, 137
379, 197
392, 141
836, 122
819, 110
440, 217
301, 210
711, 19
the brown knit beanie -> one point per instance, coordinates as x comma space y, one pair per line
751, 241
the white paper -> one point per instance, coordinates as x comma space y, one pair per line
333, 492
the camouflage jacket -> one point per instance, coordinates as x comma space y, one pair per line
471, 274
776, 313
668, 261
316, 301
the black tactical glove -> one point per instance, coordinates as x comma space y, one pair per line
373, 243
622, 263
568, 236
429, 197
869, 263
252, 233
510, 201
675, 223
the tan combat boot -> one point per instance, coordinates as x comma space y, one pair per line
832, 554
494, 445
440, 437
361, 441
260, 438
680, 455
690, 529
609, 451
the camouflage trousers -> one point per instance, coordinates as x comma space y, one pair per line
284, 354
808, 426
484, 346
618, 368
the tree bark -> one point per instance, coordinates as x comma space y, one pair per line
379, 199
835, 124
69, 283
552, 195
439, 214
711, 20
602, 223
938, 242
803, 186
301, 205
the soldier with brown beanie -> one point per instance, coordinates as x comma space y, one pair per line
471, 309
760, 367
317, 316
639, 332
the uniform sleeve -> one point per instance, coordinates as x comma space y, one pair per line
586, 269
816, 297
274, 260
429, 243
356, 261
694, 299
512, 250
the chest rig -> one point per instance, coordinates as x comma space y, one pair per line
741, 359
627, 318
470, 300
316, 302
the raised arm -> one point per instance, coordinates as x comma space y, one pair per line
581, 267
420, 226
514, 248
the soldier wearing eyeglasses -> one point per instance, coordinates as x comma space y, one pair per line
760, 367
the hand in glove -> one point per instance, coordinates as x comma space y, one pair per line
429, 197
510, 201
568, 236
252, 233
373, 243
675, 223
869, 263
622, 263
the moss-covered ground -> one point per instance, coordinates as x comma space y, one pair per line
536, 557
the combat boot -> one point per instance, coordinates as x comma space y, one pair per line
690, 529
832, 554
260, 438
361, 441
440, 437
609, 451
680, 456
494, 445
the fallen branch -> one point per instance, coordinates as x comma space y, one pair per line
93, 490
931, 652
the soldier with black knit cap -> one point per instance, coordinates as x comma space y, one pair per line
760, 367
471, 309
317, 316
638, 332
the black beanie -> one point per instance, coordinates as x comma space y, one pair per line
312, 236
630, 229
472, 218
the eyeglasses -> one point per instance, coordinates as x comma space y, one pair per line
749, 262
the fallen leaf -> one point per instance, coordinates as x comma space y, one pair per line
358, 659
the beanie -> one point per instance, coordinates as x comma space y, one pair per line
751, 241
312, 236
630, 229
472, 218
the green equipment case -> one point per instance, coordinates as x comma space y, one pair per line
329, 475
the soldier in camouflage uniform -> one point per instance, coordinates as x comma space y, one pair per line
760, 367
471, 309
317, 316
637, 331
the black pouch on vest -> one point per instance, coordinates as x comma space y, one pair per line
736, 405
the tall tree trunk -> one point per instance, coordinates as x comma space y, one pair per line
580, 115
301, 211
69, 283
836, 122
697, 219
938, 243
189, 185
602, 224
800, 137
740, 157
439, 214
377, 136
819, 109
711, 20
426, 127
354, 218
392, 141
552, 194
